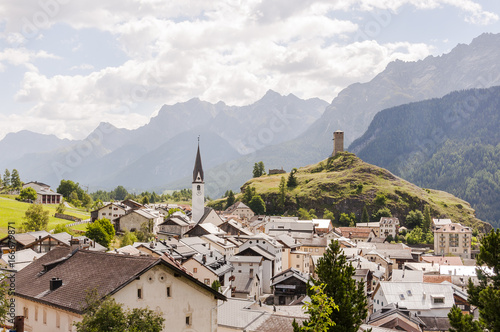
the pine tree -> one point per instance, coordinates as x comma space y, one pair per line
426, 224
262, 168
292, 180
6, 178
364, 216
282, 194
337, 274
257, 205
486, 295
230, 199
15, 180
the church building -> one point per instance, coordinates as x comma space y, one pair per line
198, 188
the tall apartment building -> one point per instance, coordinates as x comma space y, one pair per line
453, 239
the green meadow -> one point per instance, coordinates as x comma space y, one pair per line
13, 211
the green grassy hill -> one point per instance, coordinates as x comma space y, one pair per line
345, 184
12, 210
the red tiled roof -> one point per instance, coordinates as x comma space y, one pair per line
436, 279
447, 260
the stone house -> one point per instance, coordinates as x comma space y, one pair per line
50, 292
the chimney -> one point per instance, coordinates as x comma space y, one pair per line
74, 244
55, 283
204, 259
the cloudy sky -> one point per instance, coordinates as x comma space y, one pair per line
67, 65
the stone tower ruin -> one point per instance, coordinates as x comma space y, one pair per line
338, 142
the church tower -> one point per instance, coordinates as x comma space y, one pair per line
198, 199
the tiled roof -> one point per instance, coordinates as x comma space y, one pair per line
447, 260
276, 323
354, 231
84, 270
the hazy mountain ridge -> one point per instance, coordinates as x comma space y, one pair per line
450, 144
112, 156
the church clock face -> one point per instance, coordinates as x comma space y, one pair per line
198, 193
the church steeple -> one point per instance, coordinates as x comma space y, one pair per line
198, 168
198, 187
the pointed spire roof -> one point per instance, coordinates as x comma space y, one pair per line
198, 168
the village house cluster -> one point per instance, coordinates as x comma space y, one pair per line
232, 270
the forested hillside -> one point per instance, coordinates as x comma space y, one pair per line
450, 144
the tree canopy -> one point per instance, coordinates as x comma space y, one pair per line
102, 231
258, 169
35, 218
337, 274
27, 193
486, 295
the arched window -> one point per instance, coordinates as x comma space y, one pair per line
198, 187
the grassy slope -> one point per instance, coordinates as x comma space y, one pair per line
12, 210
332, 184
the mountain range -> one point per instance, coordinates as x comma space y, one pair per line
158, 152
464, 67
451, 144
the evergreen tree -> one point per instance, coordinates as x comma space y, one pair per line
282, 194
6, 178
461, 322
257, 205
486, 295
292, 179
427, 223
262, 168
364, 217
248, 194
319, 310
337, 274
120, 193
15, 180
230, 199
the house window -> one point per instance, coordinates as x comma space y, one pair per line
36, 314
44, 317
206, 281
298, 266
25, 312
317, 250
188, 320
195, 270
58, 320
298, 256
139, 293
168, 292
438, 300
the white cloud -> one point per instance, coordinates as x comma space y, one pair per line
228, 50
84, 66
